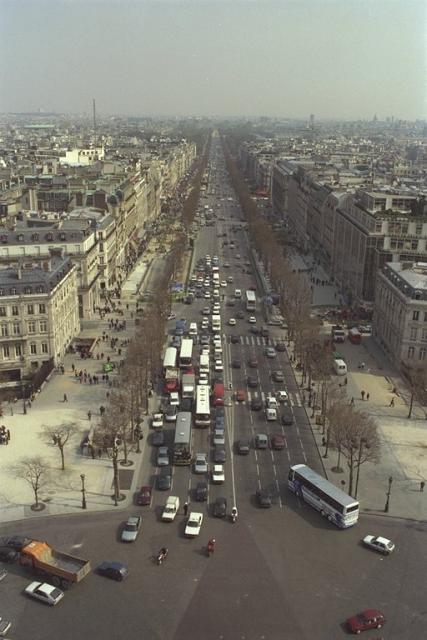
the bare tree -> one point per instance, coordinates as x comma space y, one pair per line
35, 471
357, 435
60, 435
417, 380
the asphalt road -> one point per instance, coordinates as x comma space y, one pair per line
282, 573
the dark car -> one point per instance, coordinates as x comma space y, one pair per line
234, 339
368, 619
236, 364
280, 346
287, 417
255, 330
265, 332
171, 413
231, 303
219, 412
186, 404
219, 455
243, 447
263, 498
252, 382
113, 570
220, 508
16, 542
164, 479
240, 315
204, 339
158, 439
143, 498
256, 404
241, 395
252, 363
201, 491
8, 555
278, 376
278, 441
176, 342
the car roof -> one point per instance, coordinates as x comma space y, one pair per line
381, 539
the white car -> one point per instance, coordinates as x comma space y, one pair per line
230, 278
282, 396
174, 399
201, 463
194, 523
232, 322
219, 437
271, 414
223, 283
45, 592
383, 545
206, 311
171, 316
157, 421
218, 365
4, 627
252, 320
218, 475
207, 295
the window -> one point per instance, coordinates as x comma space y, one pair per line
15, 310
31, 326
16, 328
30, 309
43, 326
18, 350
44, 347
413, 335
422, 355
415, 315
411, 352
13, 292
42, 308
27, 290
424, 335
6, 353
33, 349
3, 311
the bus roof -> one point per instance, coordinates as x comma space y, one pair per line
319, 481
183, 427
250, 295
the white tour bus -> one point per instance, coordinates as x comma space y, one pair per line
204, 363
333, 503
250, 300
203, 407
186, 353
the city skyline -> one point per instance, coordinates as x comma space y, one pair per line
337, 60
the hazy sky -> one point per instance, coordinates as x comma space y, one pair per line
334, 58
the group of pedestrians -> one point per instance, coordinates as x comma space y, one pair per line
4, 435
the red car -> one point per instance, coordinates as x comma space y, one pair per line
143, 498
278, 442
368, 619
240, 396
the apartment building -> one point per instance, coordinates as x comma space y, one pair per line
400, 318
38, 316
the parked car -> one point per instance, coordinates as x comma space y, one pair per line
114, 570
368, 619
131, 529
157, 421
143, 498
44, 592
380, 544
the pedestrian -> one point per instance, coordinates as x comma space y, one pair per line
345, 380
362, 393
352, 402
73, 367
65, 397
62, 369
422, 483
185, 508
367, 396
89, 415
7, 436
99, 453
391, 403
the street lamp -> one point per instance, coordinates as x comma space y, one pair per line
387, 504
24, 405
82, 477
363, 441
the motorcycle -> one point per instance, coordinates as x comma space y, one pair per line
234, 515
211, 547
162, 556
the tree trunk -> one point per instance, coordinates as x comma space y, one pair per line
61, 450
411, 404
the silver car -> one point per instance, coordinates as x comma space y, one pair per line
200, 463
162, 457
131, 529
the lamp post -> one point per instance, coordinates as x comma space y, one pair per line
82, 478
387, 504
362, 442
313, 404
24, 404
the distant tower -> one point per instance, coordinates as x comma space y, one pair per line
94, 120
312, 121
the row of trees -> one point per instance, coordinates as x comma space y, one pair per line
352, 433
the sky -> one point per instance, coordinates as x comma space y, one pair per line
336, 59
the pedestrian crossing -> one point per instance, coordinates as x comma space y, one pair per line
294, 398
255, 341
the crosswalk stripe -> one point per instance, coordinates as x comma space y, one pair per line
263, 396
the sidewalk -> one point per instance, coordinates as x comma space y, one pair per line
62, 494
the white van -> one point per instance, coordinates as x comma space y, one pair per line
237, 293
171, 509
193, 329
340, 367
